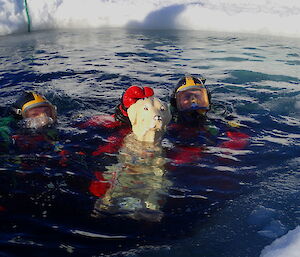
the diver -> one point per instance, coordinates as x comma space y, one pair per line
190, 101
28, 123
192, 129
34, 110
33, 150
29, 129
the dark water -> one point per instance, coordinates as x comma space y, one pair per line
225, 203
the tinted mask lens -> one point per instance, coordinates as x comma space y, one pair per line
190, 100
37, 122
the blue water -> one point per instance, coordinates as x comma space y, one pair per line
225, 204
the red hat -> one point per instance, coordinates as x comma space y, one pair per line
134, 93
129, 97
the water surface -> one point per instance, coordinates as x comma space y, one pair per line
226, 203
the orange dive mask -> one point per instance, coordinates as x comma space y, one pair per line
192, 99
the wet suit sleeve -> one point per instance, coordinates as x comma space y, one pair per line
100, 121
237, 139
108, 123
6, 124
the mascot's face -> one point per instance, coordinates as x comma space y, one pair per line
149, 118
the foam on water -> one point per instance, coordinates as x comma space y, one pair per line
258, 16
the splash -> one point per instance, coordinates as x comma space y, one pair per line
271, 17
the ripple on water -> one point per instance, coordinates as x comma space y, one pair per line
48, 208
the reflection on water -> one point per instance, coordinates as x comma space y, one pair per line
138, 183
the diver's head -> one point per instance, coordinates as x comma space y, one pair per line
191, 96
34, 110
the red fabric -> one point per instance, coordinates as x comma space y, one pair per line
107, 121
28, 142
182, 155
99, 186
114, 143
175, 126
237, 135
237, 140
122, 110
64, 158
134, 93
112, 146
235, 144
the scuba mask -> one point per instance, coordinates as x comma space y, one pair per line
192, 99
34, 110
38, 122
191, 95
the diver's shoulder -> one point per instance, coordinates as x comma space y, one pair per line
7, 121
